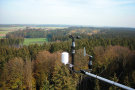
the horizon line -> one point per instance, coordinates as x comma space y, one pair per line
81, 25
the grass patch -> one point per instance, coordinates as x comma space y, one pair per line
4, 32
2, 37
28, 41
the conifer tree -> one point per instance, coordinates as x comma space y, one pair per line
62, 78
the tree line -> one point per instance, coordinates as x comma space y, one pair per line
11, 42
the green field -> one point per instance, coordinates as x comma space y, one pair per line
2, 37
28, 41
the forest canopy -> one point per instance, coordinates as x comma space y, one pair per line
38, 67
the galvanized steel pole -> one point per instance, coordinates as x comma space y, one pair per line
106, 80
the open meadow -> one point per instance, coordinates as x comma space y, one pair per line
28, 41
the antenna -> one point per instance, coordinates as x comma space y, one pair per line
90, 60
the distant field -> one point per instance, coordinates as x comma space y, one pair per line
48, 28
28, 41
3, 33
56, 27
5, 30
1, 37
10, 28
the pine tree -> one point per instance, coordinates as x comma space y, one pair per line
62, 78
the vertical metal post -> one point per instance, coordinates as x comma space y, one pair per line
73, 51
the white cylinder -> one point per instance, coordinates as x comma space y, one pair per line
65, 58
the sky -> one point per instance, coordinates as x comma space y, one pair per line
115, 13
